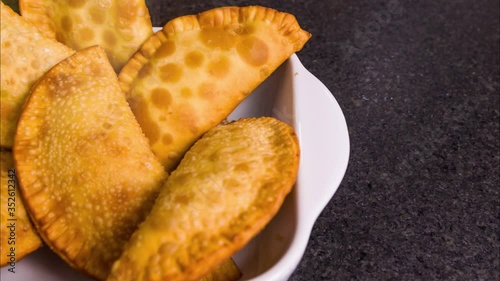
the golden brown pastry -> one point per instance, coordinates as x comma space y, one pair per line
18, 236
26, 55
118, 26
85, 169
188, 77
226, 271
225, 190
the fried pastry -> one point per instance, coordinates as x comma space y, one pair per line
118, 26
225, 190
189, 76
85, 169
226, 271
26, 55
18, 236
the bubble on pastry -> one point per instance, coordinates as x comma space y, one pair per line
119, 27
85, 168
194, 59
227, 187
25, 56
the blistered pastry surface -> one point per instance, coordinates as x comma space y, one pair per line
18, 237
84, 166
188, 77
226, 188
118, 26
26, 54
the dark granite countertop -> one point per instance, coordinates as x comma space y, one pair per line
418, 82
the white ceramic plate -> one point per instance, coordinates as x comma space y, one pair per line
293, 95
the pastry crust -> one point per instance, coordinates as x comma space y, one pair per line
17, 231
26, 54
226, 189
120, 27
85, 169
226, 271
189, 76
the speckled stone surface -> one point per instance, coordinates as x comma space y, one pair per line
418, 82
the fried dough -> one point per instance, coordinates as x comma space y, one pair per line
26, 55
85, 169
189, 76
225, 190
18, 236
226, 271
118, 26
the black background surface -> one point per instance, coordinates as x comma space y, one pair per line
418, 82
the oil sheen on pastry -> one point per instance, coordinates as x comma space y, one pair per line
190, 76
84, 166
118, 26
226, 189
26, 54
